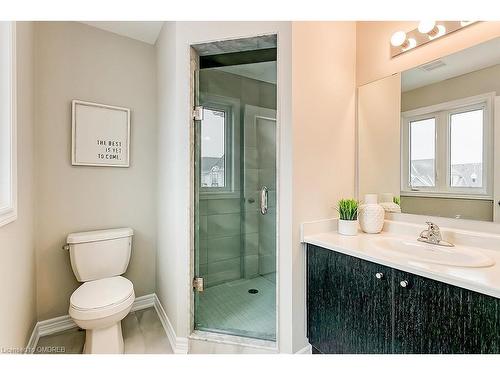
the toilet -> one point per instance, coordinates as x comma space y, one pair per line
98, 258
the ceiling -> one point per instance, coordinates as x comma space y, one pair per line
144, 31
469, 60
263, 71
237, 45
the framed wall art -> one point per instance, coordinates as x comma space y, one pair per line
100, 135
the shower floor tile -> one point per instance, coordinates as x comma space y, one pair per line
230, 308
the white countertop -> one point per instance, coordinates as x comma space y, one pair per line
484, 280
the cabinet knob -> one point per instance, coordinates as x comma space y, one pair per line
379, 275
404, 284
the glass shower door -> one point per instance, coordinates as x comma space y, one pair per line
235, 205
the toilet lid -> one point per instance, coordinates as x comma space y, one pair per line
101, 293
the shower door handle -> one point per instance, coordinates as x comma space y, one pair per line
263, 200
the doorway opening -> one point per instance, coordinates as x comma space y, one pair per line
235, 180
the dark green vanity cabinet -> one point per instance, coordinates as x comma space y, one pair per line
356, 306
434, 317
347, 312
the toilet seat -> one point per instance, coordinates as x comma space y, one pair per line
101, 298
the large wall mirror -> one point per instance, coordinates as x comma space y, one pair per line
427, 136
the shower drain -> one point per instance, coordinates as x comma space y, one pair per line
253, 291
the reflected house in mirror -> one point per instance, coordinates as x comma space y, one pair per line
443, 115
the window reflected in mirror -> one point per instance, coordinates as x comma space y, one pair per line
423, 153
428, 134
466, 149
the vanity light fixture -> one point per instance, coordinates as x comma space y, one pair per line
431, 29
428, 27
440, 33
412, 43
400, 40
426, 32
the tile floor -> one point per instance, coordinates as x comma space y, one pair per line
229, 308
142, 334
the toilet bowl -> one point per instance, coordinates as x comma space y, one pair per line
98, 307
98, 258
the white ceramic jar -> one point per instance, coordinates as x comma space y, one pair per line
371, 215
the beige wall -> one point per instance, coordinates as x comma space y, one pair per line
75, 61
168, 274
17, 251
475, 83
373, 42
379, 137
471, 209
323, 102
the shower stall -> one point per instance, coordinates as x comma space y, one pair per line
235, 187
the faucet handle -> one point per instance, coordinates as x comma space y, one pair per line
432, 235
432, 227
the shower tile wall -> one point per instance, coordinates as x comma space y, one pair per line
220, 240
266, 147
251, 212
235, 244
260, 170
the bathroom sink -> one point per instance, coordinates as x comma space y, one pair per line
458, 256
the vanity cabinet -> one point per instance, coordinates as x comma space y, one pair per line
434, 317
348, 312
356, 306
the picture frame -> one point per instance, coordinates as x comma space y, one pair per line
100, 135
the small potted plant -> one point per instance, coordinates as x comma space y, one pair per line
348, 217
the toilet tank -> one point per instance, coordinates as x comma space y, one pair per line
99, 254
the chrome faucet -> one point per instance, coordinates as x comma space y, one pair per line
432, 235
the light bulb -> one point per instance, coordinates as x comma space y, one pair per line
441, 30
426, 27
411, 43
398, 38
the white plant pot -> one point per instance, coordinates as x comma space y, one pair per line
348, 227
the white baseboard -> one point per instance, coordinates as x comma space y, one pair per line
59, 324
63, 323
48, 327
180, 345
143, 302
33, 341
305, 350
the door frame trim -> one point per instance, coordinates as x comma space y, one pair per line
194, 65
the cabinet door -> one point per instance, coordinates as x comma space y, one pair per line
434, 317
348, 307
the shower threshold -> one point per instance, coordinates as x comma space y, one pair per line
231, 339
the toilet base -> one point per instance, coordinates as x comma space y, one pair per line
107, 340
